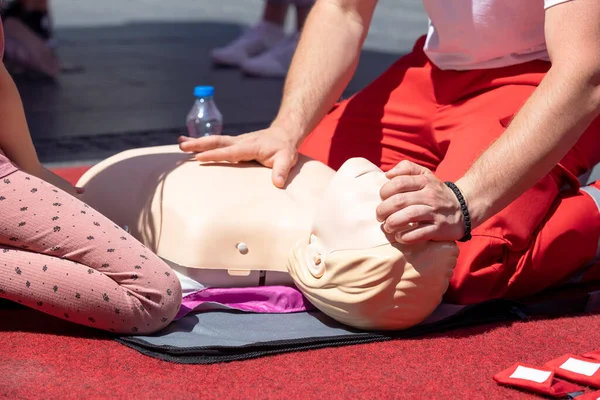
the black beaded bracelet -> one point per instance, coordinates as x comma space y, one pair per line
464, 209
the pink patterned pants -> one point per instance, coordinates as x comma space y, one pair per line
61, 257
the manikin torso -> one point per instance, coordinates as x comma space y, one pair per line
227, 221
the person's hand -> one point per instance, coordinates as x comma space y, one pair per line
50, 177
271, 147
417, 206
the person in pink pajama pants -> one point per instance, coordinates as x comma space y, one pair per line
63, 258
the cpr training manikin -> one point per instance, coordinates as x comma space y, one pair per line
226, 225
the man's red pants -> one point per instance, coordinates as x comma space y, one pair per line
444, 120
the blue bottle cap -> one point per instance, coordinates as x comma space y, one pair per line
204, 91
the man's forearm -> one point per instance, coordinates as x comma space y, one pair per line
15, 140
325, 60
539, 136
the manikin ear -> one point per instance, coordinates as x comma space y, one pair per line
346, 216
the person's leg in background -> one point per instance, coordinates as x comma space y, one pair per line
546, 236
257, 39
35, 14
63, 258
276, 61
265, 50
29, 37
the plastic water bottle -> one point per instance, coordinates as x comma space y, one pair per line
204, 118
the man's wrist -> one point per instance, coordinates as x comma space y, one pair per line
464, 211
291, 131
477, 206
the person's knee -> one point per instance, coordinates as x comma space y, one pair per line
171, 295
162, 295
176, 297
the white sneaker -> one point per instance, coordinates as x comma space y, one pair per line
253, 42
275, 62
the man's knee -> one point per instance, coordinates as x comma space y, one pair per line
482, 271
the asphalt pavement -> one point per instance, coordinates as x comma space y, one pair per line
140, 59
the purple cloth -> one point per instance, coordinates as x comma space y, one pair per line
260, 299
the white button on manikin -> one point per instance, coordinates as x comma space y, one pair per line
242, 248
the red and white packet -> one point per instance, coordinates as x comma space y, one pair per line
539, 380
578, 369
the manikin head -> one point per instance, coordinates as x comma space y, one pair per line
355, 273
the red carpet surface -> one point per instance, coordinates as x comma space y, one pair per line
71, 174
47, 358
41, 357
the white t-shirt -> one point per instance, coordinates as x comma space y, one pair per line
477, 34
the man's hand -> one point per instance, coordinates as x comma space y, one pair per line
270, 147
417, 206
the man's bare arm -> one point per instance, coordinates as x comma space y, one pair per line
551, 121
324, 62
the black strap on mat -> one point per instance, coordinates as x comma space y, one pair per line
567, 301
493, 311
